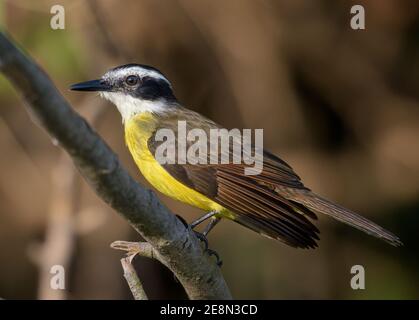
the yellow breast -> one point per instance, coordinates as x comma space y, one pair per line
137, 132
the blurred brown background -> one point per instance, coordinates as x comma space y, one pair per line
341, 106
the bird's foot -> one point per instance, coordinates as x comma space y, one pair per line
203, 237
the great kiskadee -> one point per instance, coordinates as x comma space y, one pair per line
274, 202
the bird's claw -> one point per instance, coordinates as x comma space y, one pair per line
217, 256
207, 250
202, 238
183, 221
199, 235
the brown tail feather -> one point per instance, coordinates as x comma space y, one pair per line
342, 214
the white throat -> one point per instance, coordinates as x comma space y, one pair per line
129, 106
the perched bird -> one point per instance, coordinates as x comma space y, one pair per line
274, 203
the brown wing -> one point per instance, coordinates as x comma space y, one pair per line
274, 203
254, 204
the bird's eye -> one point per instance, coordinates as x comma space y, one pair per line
131, 80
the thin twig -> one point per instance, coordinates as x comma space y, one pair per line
133, 248
133, 280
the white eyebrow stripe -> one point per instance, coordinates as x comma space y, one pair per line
141, 72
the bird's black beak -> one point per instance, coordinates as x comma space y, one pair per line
92, 85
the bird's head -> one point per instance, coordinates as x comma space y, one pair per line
133, 88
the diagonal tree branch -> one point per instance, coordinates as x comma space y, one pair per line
175, 246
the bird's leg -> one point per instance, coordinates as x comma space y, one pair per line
199, 235
202, 219
210, 225
202, 236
